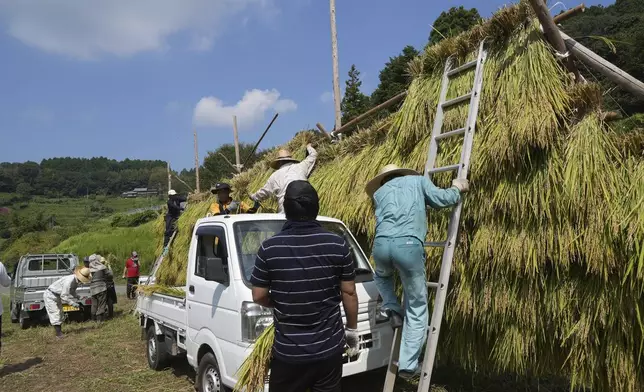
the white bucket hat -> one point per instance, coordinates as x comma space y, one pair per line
172, 192
376, 182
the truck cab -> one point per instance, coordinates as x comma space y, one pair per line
218, 315
31, 276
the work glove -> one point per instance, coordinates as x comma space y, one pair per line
233, 207
462, 185
351, 337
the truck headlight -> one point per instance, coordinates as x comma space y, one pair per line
255, 318
381, 314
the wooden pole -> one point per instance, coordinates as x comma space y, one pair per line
386, 104
237, 160
336, 77
570, 13
552, 33
610, 70
196, 160
324, 132
169, 178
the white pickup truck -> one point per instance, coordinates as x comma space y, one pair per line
216, 324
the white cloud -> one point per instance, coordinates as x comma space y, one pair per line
88, 29
211, 111
326, 97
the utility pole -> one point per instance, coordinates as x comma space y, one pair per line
169, 178
336, 77
194, 130
238, 165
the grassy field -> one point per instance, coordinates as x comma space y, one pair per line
118, 242
111, 357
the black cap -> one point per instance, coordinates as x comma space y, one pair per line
219, 186
301, 201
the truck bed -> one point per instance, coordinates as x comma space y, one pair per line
164, 309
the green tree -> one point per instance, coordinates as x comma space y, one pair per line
354, 102
215, 168
394, 78
622, 23
453, 22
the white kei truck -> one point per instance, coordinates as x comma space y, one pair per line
216, 324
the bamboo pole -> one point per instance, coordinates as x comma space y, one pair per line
570, 13
386, 104
321, 128
606, 68
169, 177
336, 77
552, 34
260, 140
194, 130
237, 159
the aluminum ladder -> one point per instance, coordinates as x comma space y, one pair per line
473, 97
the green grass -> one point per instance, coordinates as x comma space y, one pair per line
115, 244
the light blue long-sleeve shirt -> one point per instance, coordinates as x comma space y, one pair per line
400, 206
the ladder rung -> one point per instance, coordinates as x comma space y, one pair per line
432, 285
444, 169
456, 101
462, 68
456, 132
436, 244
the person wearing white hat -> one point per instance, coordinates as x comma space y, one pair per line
400, 198
174, 210
287, 170
64, 291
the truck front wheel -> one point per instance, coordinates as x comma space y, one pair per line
208, 375
157, 353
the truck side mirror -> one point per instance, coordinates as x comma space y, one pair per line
215, 270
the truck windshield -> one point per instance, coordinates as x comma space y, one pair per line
250, 235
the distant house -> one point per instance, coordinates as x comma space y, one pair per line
140, 192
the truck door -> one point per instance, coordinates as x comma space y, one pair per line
212, 306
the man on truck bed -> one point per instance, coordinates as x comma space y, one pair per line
5, 281
287, 169
304, 272
225, 205
400, 197
171, 217
64, 290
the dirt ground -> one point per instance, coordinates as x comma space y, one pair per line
107, 357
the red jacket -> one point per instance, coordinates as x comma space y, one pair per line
132, 269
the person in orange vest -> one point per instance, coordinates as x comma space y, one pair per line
225, 205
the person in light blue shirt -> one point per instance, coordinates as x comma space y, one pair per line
400, 197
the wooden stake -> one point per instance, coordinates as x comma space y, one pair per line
237, 160
336, 76
196, 160
606, 68
570, 13
552, 33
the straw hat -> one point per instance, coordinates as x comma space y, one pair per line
376, 182
83, 274
283, 156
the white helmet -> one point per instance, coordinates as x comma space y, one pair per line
172, 192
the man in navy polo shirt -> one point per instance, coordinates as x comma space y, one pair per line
304, 272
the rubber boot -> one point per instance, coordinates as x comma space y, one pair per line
59, 331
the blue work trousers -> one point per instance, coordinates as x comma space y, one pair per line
407, 255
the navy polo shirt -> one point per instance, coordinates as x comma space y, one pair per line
303, 266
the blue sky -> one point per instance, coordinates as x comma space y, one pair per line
130, 79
